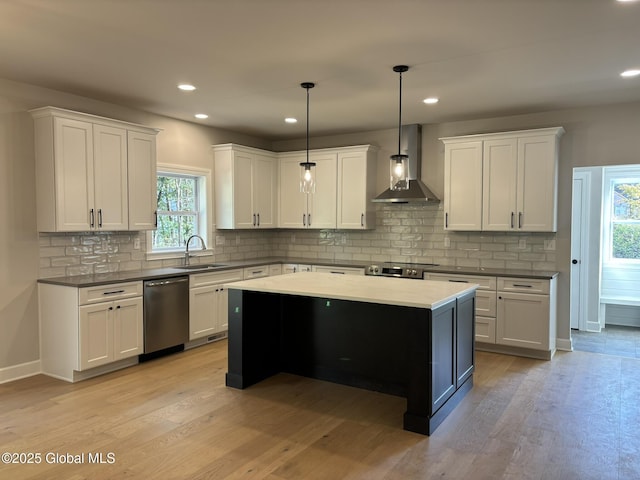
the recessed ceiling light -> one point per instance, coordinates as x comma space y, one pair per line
186, 87
630, 73
431, 100
201, 116
626, 1
291, 120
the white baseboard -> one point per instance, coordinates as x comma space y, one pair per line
564, 344
16, 372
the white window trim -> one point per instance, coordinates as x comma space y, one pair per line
620, 174
206, 219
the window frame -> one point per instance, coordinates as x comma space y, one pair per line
205, 209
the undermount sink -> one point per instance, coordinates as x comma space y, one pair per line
204, 266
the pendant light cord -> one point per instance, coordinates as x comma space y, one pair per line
307, 125
400, 114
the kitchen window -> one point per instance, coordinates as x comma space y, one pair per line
183, 211
622, 216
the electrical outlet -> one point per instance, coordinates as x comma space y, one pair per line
522, 243
550, 244
219, 240
447, 242
293, 239
136, 243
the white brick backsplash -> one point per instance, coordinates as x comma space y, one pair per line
404, 233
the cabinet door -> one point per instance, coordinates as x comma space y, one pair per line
463, 186
443, 351
522, 320
537, 187
499, 180
96, 335
74, 192
202, 311
110, 178
292, 204
128, 338
322, 205
142, 181
355, 177
222, 310
264, 191
242, 190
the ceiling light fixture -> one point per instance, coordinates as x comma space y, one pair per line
431, 100
186, 87
291, 120
307, 168
399, 162
201, 116
630, 73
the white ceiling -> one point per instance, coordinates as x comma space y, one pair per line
248, 57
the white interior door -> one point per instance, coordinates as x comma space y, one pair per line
577, 237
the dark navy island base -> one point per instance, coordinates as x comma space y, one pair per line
424, 355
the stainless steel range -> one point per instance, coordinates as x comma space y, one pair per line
399, 269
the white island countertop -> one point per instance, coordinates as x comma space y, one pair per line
360, 288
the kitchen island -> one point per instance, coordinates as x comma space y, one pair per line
404, 337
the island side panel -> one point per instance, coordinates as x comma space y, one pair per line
361, 344
466, 325
254, 337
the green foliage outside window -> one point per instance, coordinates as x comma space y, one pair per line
625, 225
177, 211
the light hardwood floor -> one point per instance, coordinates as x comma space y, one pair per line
575, 417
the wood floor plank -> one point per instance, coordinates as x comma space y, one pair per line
574, 417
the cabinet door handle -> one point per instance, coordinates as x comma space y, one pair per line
304, 219
340, 273
91, 218
522, 285
512, 215
446, 220
99, 218
459, 281
155, 223
519, 219
254, 219
110, 308
309, 215
118, 307
362, 219
113, 292
258, 219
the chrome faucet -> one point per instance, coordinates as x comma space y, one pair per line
186, 250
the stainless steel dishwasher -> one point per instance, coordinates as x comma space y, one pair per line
166, 314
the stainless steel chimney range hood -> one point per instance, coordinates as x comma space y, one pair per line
418, 192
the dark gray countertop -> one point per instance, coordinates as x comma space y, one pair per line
168, 272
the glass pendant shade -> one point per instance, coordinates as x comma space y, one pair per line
308, 177
399, 172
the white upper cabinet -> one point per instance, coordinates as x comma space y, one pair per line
356, 188
143, 184
463, 185
82, 173
502, 181
245, 182
313, 210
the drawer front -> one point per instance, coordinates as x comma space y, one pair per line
275, 269
485, 303
524, 285
215, 278
485, 329
104, 293
486, 283
256, 272
338, 270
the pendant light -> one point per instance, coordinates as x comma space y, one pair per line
307, 168
399, 162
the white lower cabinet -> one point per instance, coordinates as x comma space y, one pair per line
526, 313
338, 270
295, 268
512, 312
208, 302
85, 328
